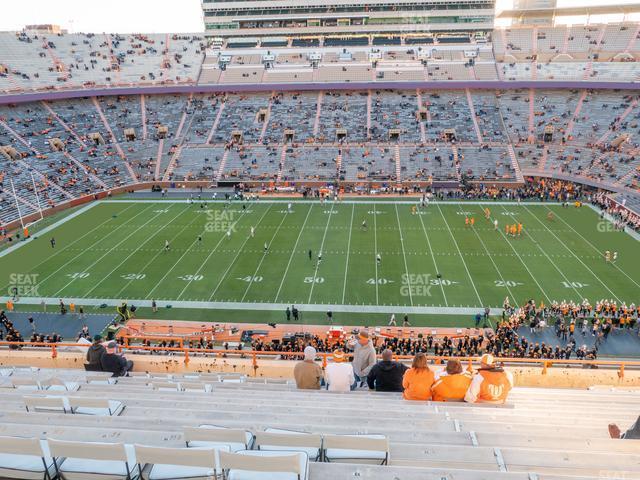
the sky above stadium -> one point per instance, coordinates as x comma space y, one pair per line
134, 16
122, 16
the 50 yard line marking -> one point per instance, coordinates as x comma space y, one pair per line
295, 247
324, 236
404, 256
346, 267
224, 275
460, 255
434, 259
264, 255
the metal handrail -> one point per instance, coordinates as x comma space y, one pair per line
186, 351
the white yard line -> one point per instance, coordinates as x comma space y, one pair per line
224, 275
94, 263
575, 256
523, 263
500, 276
264, 255
84, 250
149, 238
187, 250
324, 236
158, 253
375, 250
433, 257
404, 256
342, 201
295, 247
255, 306
346, 266
53, 226
526, 232
595, 248
461, 257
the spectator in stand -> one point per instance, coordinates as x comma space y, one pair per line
364, 358
339, 375
491, 384
95, 353
417, 381
308, 373
386, 375
115, 363
632, 434
452, 385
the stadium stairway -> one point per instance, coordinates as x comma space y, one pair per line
541, 433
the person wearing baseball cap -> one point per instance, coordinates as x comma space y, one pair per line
115, 363
491, 384
94, 354
338, 374
364, 358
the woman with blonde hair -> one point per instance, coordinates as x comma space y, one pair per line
418, 379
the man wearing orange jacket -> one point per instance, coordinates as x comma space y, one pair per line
452, 384
491, 384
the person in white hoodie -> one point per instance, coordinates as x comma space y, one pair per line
339, 375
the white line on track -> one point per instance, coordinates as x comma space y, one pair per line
576, 257
264, 255
433, 257
95, 262
404, 256
295, 246
460, 255
324, 236
147, 240
346, 267
224, 275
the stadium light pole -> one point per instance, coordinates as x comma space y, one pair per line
35, 190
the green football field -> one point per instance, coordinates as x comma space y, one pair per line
114, 250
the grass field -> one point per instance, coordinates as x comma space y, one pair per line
114, 251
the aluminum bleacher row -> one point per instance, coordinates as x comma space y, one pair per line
57, 151
86, 425
595, 52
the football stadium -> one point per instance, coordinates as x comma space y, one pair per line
377, 240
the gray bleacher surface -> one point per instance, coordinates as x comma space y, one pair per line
542, 433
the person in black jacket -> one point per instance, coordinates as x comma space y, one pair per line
94, 354
386, 376
115, 363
